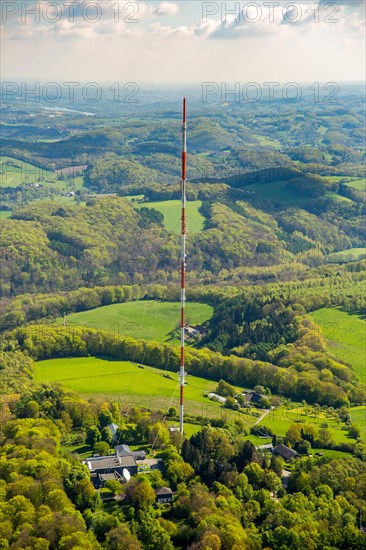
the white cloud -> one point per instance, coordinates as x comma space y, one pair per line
349, 3
167, 8
263, 50
298, 14
356, 24
168, 32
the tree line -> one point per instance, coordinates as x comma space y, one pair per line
292, 377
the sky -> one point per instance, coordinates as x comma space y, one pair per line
183, 42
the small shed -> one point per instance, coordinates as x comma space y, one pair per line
139, 455
266, 447
113, 429
215, 397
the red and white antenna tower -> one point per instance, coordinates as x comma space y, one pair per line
182, 372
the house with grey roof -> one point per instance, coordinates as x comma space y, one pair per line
285, 452
252, 397
164, 495
124, 450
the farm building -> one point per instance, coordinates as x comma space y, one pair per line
173, 429
99, 480
266, 447
111, 464
215, 397
252, 397
285, 452
108, 477
193, 333
103, 468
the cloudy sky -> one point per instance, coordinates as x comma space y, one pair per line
183, 41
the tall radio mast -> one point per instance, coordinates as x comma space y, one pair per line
182, 372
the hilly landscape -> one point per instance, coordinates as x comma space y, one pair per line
275, 327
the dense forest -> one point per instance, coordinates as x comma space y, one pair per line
47, 247
224, 489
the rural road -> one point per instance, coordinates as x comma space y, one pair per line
262, 416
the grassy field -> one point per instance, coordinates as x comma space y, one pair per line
347, 255
345, 335
5, 214
356, 183
77, 183
267, 142
358, 416
336, 197
135, 198
359, 183
331, 453
149, 320
189, 429
171, 213
107, 375
279, 421
14, 172
110, 379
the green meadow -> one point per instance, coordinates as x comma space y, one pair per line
358, 416
347, 255
135, 198
359, 184
356, 183
171, 211
14, 172
110, 379
336, 197
265, 141
189, 429
95, 375
148, 319
345, 335
5, 214
279, 420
